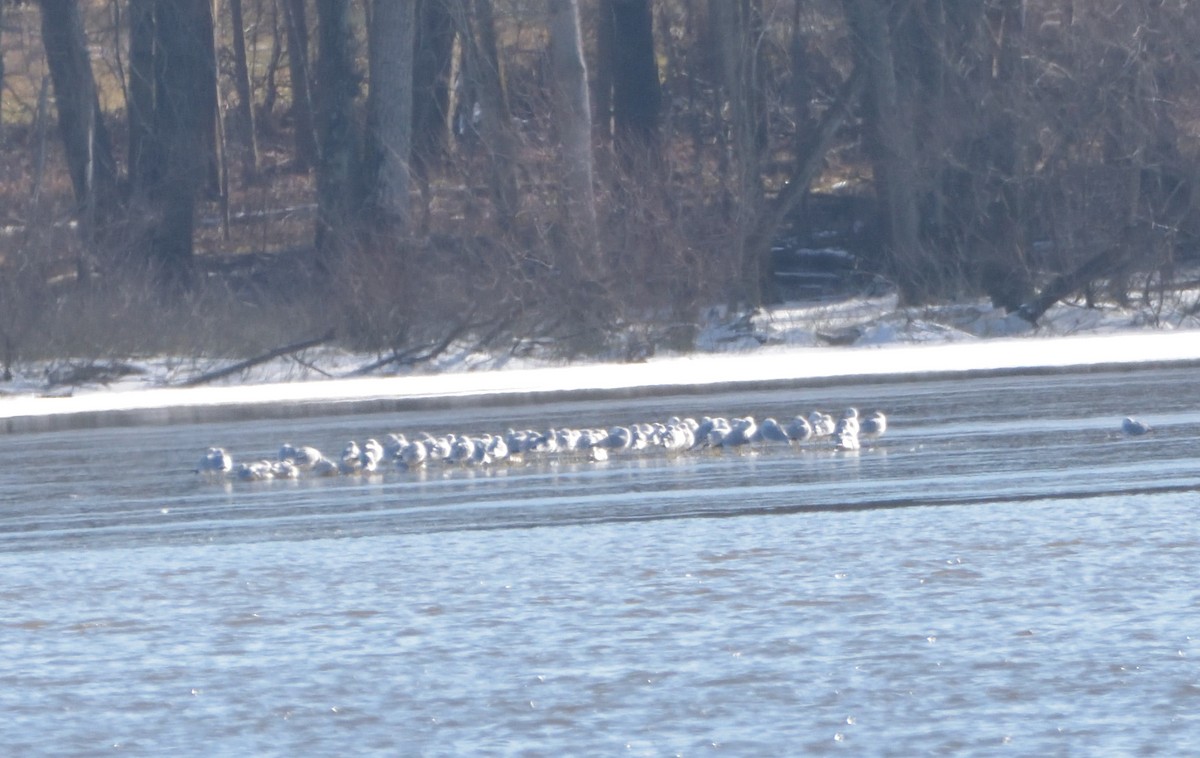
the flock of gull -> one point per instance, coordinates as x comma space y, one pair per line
673, 437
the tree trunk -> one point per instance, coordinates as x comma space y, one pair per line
338, 172
433, 54
389, 115
145, 153
574, 122
307, 150
637, 95
246, 131
266, 121
891, 143
80, 122
1006, 276
3, 18
185, 77
738, 24
496, 128
603, 71
202, 14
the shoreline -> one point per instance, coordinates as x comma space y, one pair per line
766, 368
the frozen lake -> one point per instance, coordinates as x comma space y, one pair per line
1002, 572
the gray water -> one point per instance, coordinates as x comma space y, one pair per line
1003, 573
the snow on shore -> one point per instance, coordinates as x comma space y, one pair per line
774, 347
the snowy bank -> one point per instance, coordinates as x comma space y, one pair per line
762, 367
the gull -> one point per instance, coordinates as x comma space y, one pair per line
799, 430
639, 439
742, 431
846, 441
821, 423
393, 445
702, 429
567, 439
304, 457
717, 434
351, 458
256, 471
439, 448
619, 438
215, 461
285, 469
326, 467
593, 438
679, 437
413, 454
848, 423
371, 451
772, 431
461, 450
496, 447
874, 425
479, 452
1135, 428
547, 443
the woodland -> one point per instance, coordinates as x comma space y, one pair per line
233, 177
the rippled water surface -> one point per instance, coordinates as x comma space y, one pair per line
1002, 573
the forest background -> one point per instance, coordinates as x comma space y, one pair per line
228, 177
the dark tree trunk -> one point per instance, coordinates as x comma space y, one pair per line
185, 116
573, 117
1000, 160
3, 8
434, 51
271, 85
637, 95
496, 128
389, 116
891, 142
246, 131
145, 150
299, 70
338, 172
603, 70
84, 135
738, 29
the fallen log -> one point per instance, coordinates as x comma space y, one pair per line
1068, 283
240, 366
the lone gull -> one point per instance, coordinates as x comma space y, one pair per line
215, 461
1135, 428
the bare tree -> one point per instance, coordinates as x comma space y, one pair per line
738, 28
185, 101
433, 56
636, 92
892, 144
81, 124
496, 126
144, 151
389, 114
241, 78
304, 125
574, 121
339, 170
